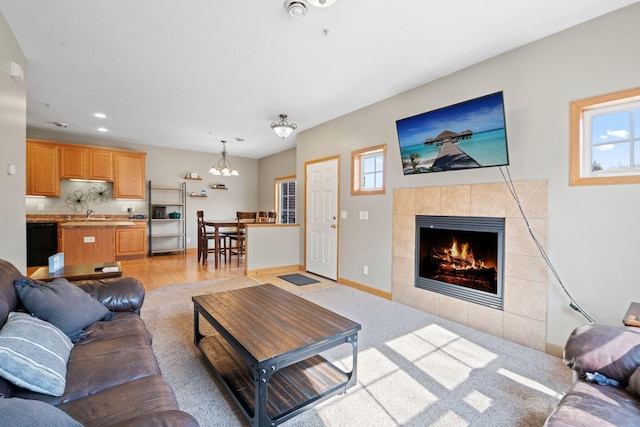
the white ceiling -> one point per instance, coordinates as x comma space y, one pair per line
190, 73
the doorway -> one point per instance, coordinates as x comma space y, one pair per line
321, 217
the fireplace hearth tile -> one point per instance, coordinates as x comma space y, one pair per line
456, 200
428, 201
404, 201
524, 317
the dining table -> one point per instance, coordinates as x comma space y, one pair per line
217, 225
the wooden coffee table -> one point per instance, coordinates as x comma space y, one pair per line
80, 272
267, 350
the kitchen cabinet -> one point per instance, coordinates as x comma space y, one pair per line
100, 164
74, 162
131, 242
87, 245
84, 162
43, 169
129, 175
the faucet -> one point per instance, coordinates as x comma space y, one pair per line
89, 212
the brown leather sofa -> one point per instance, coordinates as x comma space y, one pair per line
605, 361
113, 377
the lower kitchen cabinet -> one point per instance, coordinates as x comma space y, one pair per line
131, 242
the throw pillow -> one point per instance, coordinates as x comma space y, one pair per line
18, 412
634, 383
61, 303
34, 354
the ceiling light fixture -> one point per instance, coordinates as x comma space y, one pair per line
283, 128
296, 9
223, 167
100, 115
322, 3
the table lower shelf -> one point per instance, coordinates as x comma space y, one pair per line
289, 389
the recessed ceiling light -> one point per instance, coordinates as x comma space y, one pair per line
100, 115
102, 130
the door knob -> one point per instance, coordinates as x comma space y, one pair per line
333, 226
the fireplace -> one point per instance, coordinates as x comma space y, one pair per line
462, 257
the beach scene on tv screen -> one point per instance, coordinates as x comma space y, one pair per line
461, 136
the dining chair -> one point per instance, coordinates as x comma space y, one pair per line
239, 236
204, 236
267, 216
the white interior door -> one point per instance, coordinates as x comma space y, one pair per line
322, 218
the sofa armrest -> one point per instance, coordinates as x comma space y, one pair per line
164, 418
119, 294
613, 351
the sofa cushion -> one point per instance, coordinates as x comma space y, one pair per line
34, 354
17, 412
61, 303
8, 296
137, 398
612, 351
634, 383
589, 404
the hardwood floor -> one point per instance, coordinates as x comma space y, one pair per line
165, 270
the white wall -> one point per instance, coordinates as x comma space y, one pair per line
13, 114
592, 230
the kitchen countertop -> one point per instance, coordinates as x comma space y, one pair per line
96, 224
96, 219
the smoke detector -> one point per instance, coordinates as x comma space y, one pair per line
322, 3
296, 9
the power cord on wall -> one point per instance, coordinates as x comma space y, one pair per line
572, 303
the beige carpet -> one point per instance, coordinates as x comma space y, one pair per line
414, 369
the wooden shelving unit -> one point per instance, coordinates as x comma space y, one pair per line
167, 235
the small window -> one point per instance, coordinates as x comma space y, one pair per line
368, 170
285, 200
605, 139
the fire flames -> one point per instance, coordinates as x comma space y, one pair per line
460, 257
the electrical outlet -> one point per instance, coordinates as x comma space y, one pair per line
188, 239
40, 206
365, 270
124, 209
133, 208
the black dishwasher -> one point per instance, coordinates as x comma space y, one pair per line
42, 242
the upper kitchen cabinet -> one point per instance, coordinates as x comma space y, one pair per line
101, 164
84, 162
74, 162
43, 169
129, 175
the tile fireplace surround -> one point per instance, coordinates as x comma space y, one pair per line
524, 318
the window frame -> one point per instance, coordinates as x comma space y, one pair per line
356, 176
277, 197
577, 110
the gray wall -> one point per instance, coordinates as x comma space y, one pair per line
13, 113
592, 230
272, 167
166, 167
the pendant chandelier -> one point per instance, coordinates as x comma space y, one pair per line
223, 167
283, 128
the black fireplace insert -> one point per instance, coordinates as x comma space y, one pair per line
462, 257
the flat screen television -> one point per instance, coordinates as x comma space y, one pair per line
468, 135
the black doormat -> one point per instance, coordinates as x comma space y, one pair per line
298, 279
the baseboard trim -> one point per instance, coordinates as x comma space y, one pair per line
364, 288
272, 270
554, 350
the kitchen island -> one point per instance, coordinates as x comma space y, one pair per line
86, 242
98, 239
